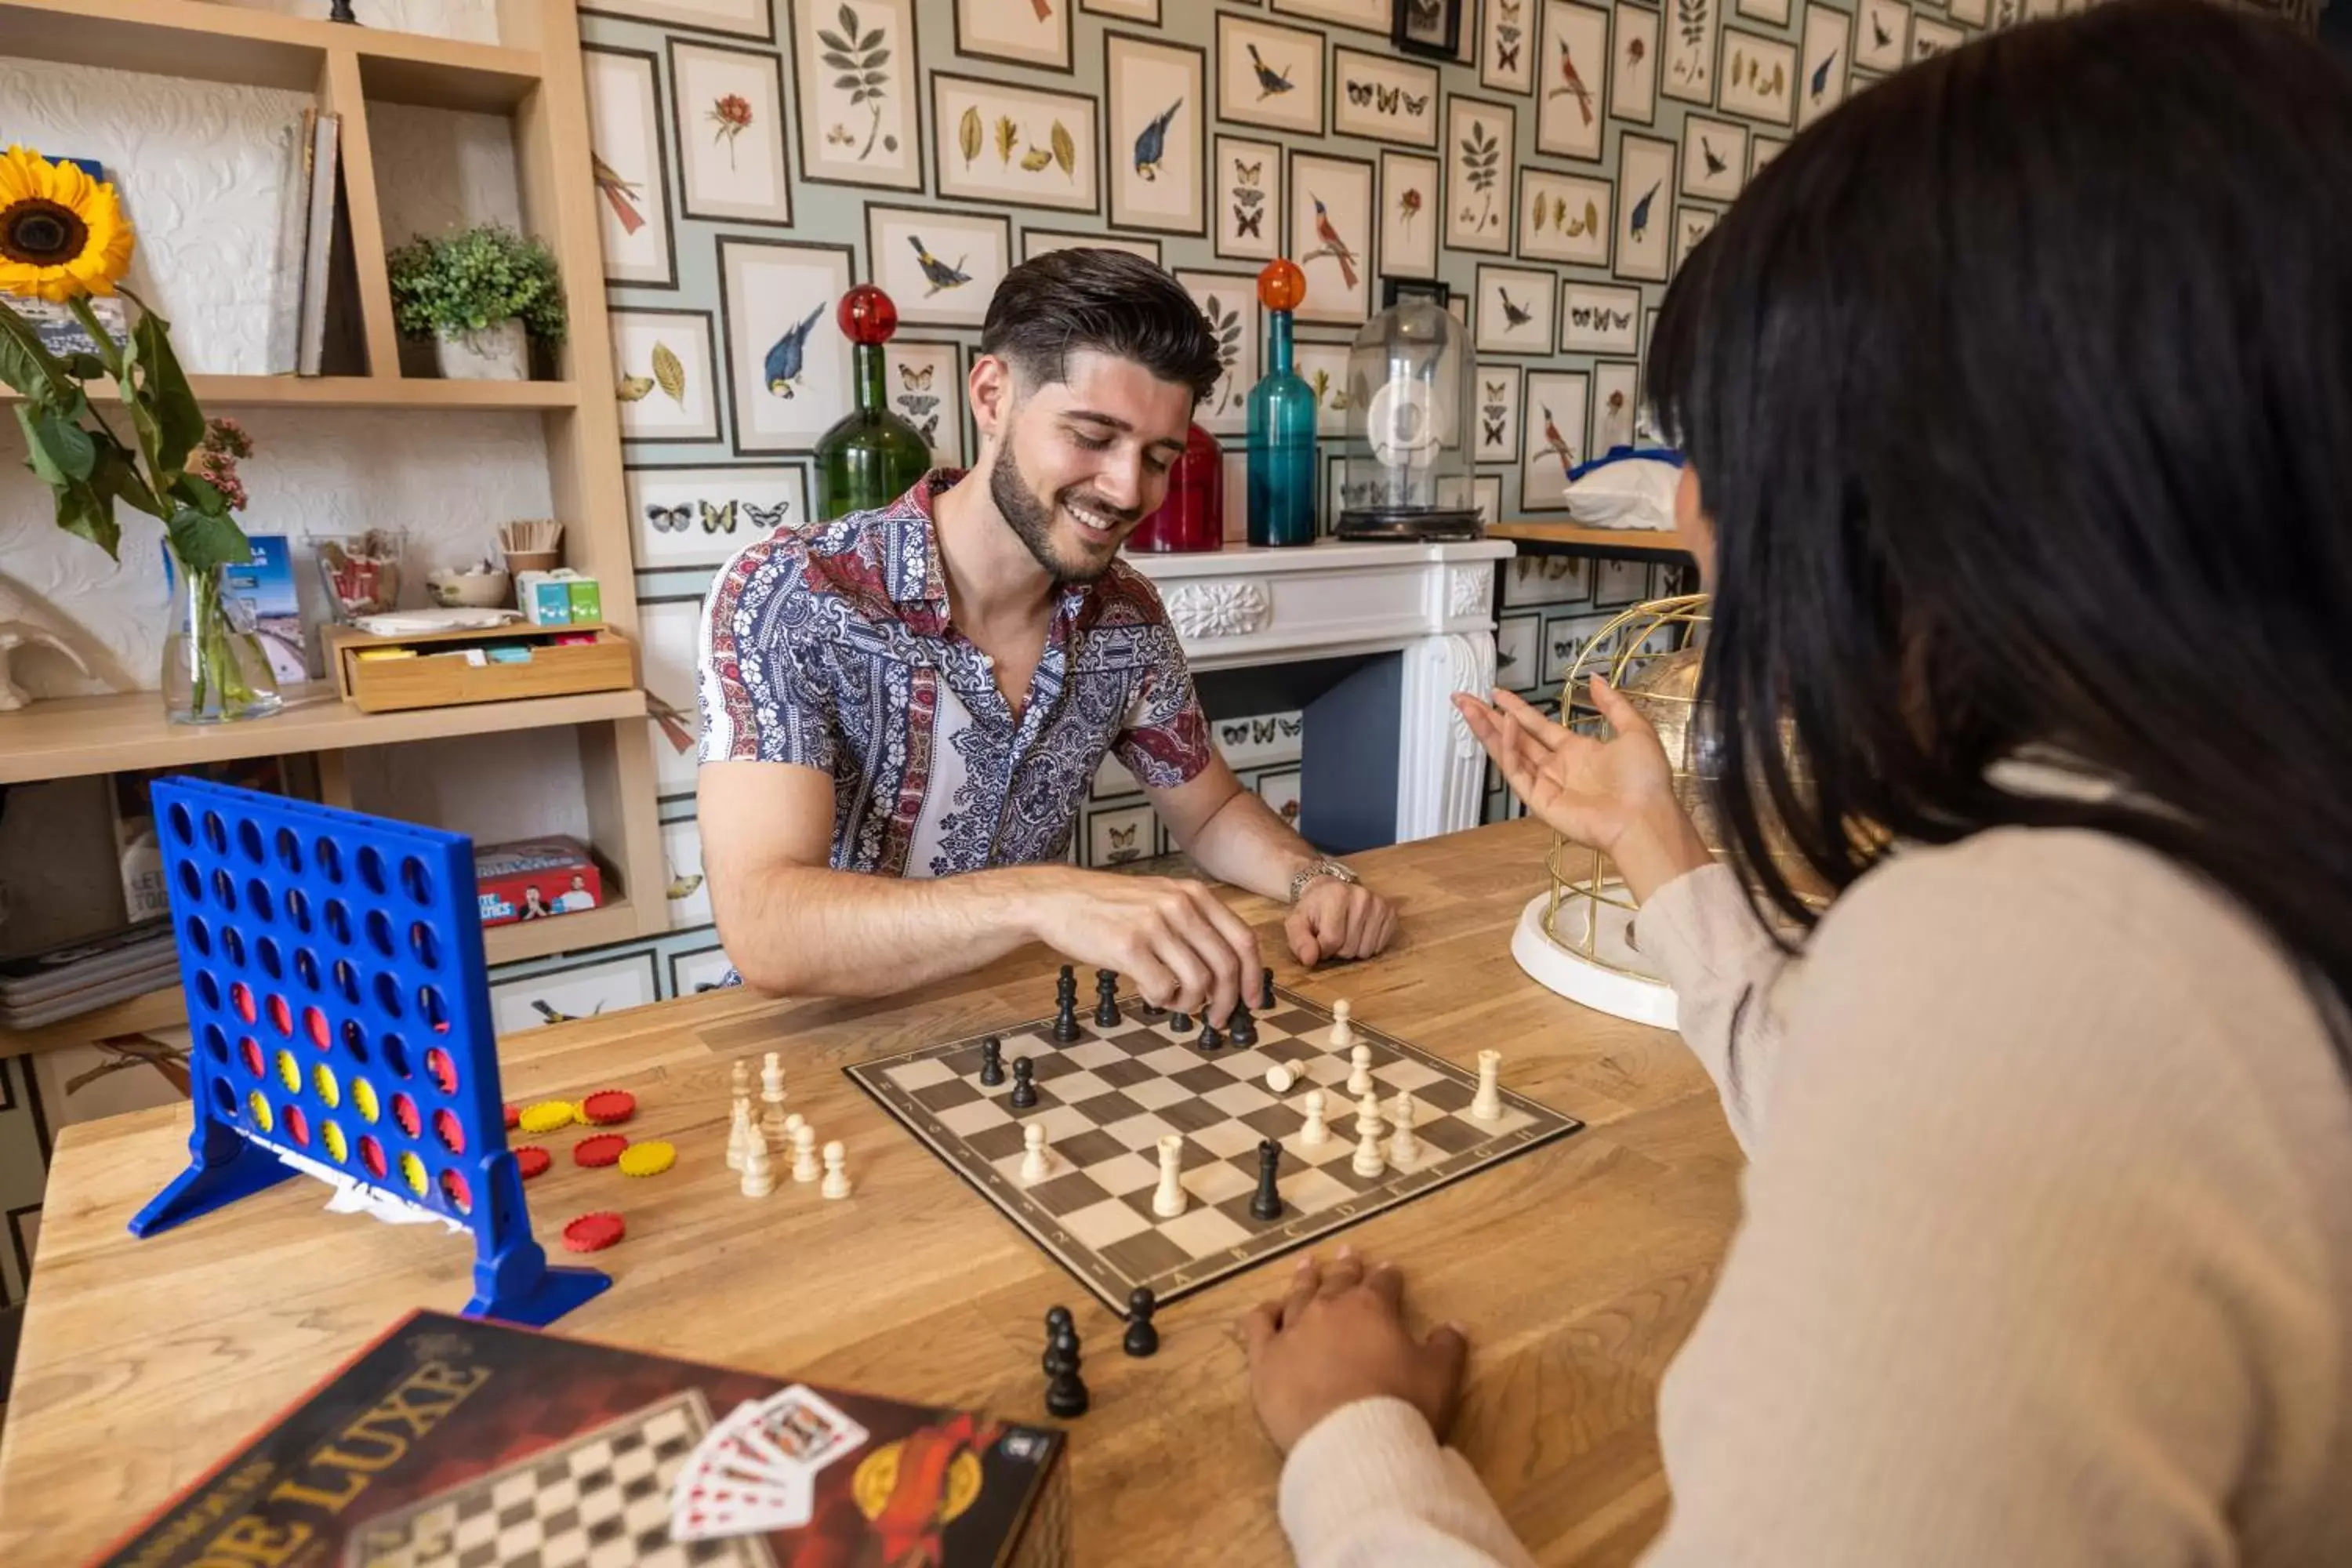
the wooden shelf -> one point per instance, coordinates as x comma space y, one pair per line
71, 736
231, 43
1574, 539
353, 392
613, 921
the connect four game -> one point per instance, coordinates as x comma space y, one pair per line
341, 1011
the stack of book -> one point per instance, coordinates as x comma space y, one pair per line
306, 236
81, 976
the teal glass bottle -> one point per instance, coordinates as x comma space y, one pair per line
1281, 423
871, 457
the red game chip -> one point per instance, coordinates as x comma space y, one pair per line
602, 1149
607, 1106
514, 1116
530, 1159
594, 1232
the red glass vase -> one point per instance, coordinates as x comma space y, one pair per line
1192, 517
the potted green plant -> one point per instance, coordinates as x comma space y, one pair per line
478, 294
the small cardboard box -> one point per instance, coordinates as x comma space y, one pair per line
544, 599
587, 601
534, 879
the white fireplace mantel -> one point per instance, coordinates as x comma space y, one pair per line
1243, 607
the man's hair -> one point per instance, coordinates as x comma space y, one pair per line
1111, 301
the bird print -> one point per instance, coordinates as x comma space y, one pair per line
1639, 223
1555, 442
1573, 83
620, 192
1152, 141
1714, 165
783, 362
940, 275
1044, 9
1878, 30
1269, 80
1514, 315
1822, 75
1332, 242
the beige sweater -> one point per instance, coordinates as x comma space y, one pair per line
2047, 1255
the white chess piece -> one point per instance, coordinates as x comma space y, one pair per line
836, 1178
772, 1099
792, 1125
759, 1175
1168, 1202
1035, 1163
1342, 1035
1404, 1148
1367, 1108
739, 1133
804, 1153
1487, 1104
1279, 1077
1359, 1071
1315, 1131
1368, 1161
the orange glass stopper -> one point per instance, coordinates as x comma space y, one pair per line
1281, 286
867, 316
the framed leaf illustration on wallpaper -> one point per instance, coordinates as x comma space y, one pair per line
624, 148
1158, 109
1822, 68
1759, 76
1269, 75
1633, 66
1248, 189
1506, 58
1034, 33
1570, 82
698, 516
731, 133
1408, 215
1331, 235
1565, 217
1686, 70
787, 362
861, 123
1016, 145
1383, 99
939, 267
1228, 302
662, 374
1481, 149
1036, 242
1324, 368
923, 384
1514, 310
1614, 386
1555, 439
1645, 177
737, 19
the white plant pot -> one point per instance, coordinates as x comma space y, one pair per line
497, 353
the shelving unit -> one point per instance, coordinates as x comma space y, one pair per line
1571, 539
532, 75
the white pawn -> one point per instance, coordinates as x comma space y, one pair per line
772, 1099
1035, 1163
1167, 1201
1342, 1034
759, 1177
1404, 1149
1368, 1109
804, 1153
1487, 1104
792, 1125
1368, 1161
1279, 1077
836, 1179
1359, 1071
1315, 1131
739, 1133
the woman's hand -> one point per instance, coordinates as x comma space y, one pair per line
1615, 795
1339, 1337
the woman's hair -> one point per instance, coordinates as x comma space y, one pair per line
2020, 393
1111, 301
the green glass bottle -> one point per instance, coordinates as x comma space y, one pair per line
871, 457
1281, 423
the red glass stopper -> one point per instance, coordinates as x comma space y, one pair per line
867, 316
1281, 286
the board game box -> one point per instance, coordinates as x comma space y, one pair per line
457, 1443
534, 879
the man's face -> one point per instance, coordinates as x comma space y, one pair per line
1080, 462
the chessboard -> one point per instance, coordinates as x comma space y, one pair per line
1107, 1097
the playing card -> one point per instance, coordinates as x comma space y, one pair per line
702, 1506
805, 1427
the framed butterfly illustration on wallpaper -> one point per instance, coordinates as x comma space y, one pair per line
1822, 66
1408, 215
1598, 317
787, 361
690, 515
1497, 392
1481, 149
1157, 112
1383, 99
1016, 145
731, 133
1033, 33
624, 150
1269, 75
1691, 226
1633, 66
1430, 28
1331, 235
1555, 439
1645, 177
1570, 82
1565, 217
939, 267
662, 373
923, 384
1505, 51
1514, 310
1930, 38
1248, 189
861, 116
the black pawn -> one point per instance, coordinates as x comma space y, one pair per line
1242, 1027
1065, 1022
1058, 1323
1066, 1394
1267, 1201
992, 1061
1142, 1339
1265, 990
1182, 1023
1024, 1084
1210, 1039
1107, 998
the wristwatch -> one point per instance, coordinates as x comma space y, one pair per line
1322, 867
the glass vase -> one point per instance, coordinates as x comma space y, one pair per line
215, 671
1281, 446
1192, 517
871, 457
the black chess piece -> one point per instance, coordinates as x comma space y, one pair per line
340, 11
1024, 1084
1058, 1323
1210, 1039
1066, 1394
1066, 1022
1241, 1027
1067, 980
1265, 990
1058, 1318
1142, 1339
992, 1061
1267, 1201
1182, 1023
1107, 998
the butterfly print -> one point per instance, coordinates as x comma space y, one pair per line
669, 518
718, 518
916, 380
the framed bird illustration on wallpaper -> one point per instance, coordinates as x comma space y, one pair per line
1514, 310
861, 117
661, 373
1555, 439
731, 133
787, 361
1823, 63
1481, 150
1269, 75
1383, 99
1016, 145
1033, 33
1157, 111
1762, 150
1570, 81
1633, 66
1645, 177
1248, 194
1408, 215
1715, 158
939, 266
1882, 35
624, 154
668, 629
1331, 235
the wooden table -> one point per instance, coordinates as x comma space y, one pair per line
1535, 538
1580, 1267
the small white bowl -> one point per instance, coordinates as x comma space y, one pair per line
468, 590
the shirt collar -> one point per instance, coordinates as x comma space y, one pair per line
918, 577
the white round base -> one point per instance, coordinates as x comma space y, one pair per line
1572, 974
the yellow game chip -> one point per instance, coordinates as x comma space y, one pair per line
546, 1116
648, 1159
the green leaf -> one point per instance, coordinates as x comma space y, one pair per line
203, 541
831, 40
85, 366
179, 422
839, 62
199, 493
63, 452
108, 356
82, 510
870, 39
114, 474
25, 365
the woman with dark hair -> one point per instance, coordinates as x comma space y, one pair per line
2017, 397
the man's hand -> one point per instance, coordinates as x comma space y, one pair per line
1174, 938
1339, 1337
1339, 919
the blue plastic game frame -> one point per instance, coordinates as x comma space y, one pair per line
341, 1011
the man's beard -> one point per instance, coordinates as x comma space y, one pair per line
1032, 521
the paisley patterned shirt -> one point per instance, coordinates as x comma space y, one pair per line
831, 648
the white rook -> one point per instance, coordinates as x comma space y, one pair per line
1487, 1104
1168, 1202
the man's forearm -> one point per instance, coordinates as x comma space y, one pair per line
809, 930
1247, 845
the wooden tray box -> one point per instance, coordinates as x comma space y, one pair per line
443, 674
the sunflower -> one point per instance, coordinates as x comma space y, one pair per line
62, 234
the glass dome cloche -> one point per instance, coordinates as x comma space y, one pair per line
1405, 464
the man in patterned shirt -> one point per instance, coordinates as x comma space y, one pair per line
903, 708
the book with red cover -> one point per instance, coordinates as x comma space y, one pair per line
456, 1441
